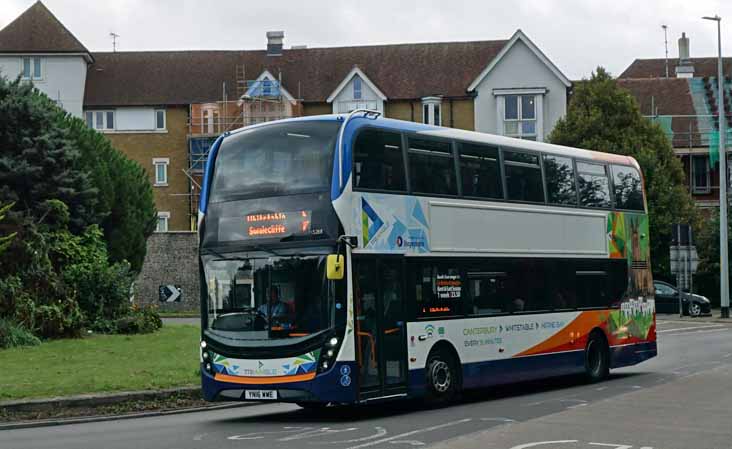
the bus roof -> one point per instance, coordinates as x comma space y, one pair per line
464, 135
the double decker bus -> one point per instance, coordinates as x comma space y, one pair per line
353, 258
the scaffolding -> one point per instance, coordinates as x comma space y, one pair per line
257, 101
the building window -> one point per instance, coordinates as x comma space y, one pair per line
160, 119
519, 116
266, 87
700, 174
357, 88
163, 219
432, 111
100, 120
32, 68
161, 171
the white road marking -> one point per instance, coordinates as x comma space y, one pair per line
316, 433
199, 437
499, 419
409, 442
260, 435
684, 329
380, 432
542, 443
413, 432
614, 446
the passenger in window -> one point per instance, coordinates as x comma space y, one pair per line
518, 305
559, 301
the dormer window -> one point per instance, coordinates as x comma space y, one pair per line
432, 111
32, 68
356, 88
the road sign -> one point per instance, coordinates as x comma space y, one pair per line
684, 259
170, 293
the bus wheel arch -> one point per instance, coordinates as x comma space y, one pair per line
597, 356
443, 372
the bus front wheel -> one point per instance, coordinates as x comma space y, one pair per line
597, 358
442, 377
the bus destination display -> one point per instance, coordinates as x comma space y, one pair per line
270, 224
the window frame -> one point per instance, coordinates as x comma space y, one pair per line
608, 176
104, 114
700, 190
165, 119
35, 64
429, 106
458, 144
642, 189
520, 164
451, 142
161, 161
405, 165
573, 160
165, 216
357, 93
519, 117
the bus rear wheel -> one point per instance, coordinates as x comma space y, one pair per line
597, 358
442, 377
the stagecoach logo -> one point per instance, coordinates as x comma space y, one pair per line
371, 223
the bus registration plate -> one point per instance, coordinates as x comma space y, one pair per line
261, 395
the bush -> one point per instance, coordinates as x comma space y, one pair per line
140, 320
13, 334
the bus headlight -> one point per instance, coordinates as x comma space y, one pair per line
203, 344
329, 353
206, 356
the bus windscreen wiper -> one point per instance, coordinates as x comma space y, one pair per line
221, 256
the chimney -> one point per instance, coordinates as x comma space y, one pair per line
685, 69
274, 42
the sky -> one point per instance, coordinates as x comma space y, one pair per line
577, 35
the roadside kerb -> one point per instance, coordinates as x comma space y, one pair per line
103, 399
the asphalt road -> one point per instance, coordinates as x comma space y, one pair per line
678, 400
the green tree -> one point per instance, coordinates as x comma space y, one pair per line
604, 117
125, 194
37, 160
6, 240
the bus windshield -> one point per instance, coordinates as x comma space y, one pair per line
271, 298
278, 159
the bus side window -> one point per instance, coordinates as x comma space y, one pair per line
489, 293
628, 188
594, 187
432, 167
378, 163
480, 171
523, 177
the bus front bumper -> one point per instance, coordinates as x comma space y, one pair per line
335, 385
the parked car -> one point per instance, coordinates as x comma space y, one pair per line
667, 301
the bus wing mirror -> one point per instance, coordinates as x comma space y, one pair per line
335, 267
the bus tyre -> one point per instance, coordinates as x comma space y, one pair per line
442, 377
597, 358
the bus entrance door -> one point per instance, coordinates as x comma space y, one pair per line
381, 328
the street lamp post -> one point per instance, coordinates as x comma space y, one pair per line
724, 262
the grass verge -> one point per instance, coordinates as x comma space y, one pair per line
102, 363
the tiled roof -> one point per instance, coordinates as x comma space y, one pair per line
37, 30
404, 71
656, 68
664, 97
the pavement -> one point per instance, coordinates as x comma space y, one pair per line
679, 400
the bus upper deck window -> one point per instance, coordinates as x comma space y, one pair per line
377, 161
